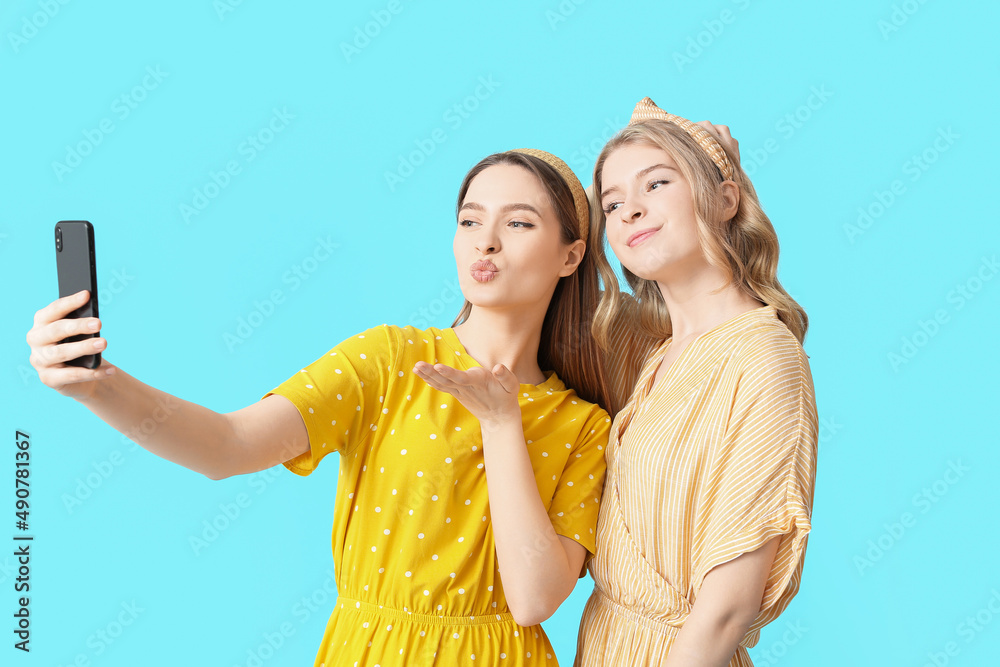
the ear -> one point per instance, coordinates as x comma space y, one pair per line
730, 193
574, 255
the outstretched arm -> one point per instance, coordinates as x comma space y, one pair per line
216, 445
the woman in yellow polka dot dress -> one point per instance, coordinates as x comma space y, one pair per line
469, 479
470, 473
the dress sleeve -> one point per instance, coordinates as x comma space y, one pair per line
339, 396
577, 500
760, 484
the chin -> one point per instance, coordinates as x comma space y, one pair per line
644, 270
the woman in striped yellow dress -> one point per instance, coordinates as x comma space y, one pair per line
712, 455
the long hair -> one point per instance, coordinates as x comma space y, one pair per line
567, 344
745, 246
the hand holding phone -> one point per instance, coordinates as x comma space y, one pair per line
50, 357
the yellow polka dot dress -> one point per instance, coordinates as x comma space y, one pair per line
413, 548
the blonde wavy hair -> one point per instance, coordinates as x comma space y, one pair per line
745, 246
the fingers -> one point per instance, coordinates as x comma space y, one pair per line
47, 349
59, 308
433, 376
67, 351
506, 378
724, 137
62, 375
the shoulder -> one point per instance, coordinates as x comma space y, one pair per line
572, 408
378, 342
766, 344
373, 336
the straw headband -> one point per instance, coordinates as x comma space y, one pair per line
646, 110
579, 196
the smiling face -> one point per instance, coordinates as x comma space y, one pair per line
651, 222
508, 242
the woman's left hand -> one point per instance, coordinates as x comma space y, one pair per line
491, 396
722, 134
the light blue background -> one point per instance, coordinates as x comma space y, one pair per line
563, 75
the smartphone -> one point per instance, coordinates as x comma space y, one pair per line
77, 267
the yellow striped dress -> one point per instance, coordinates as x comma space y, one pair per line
712, 462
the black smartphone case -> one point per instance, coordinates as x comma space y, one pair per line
77, 266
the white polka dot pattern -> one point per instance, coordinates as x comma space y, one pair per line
411, 462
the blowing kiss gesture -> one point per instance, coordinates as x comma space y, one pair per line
491, 396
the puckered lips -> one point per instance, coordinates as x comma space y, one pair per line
484, 271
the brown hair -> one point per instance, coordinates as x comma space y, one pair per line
744, 246
567, 343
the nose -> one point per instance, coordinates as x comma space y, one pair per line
632, 210
485, 249
487, 243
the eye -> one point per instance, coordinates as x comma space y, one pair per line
467, 223
611, 207
654, 184
520, 224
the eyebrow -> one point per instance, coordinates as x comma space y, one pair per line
506, 208
639, 175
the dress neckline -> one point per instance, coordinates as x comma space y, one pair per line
551, 384
656, 358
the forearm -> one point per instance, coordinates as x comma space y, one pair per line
725, 607
177, 430
708, 639
533, 563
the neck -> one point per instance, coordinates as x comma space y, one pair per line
697, 304
505, 336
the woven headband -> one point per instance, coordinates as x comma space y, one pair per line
646, 110
579, 196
